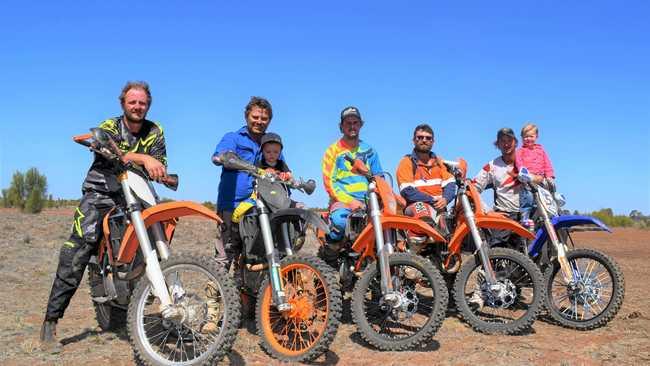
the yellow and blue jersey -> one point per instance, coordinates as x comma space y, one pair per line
341, 184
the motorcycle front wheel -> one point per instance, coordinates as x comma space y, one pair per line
414, 318
592, 298
512, 305
210, 302
305, 332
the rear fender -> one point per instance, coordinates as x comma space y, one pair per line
561, 222
365, 243
165, 213
487, 221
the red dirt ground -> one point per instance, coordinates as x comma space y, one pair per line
29, 247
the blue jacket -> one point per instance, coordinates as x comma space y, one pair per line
236, 186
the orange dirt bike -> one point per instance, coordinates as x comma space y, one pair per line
497, 290
399, 300
298, 298
182, 309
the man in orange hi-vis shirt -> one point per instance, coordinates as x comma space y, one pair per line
424, 181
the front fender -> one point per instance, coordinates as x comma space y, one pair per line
365, 243
309, 217
163, 212
488, 221
562, 222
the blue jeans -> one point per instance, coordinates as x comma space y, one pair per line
526, 204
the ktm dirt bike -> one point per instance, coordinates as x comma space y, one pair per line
180, 309
399, 299
585, 287
497, 290
298, 298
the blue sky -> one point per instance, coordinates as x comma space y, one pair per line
577, 69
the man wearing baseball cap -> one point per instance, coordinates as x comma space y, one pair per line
347, 190
500, 174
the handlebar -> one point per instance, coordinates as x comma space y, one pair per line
358, 166
170, 180
230, 160
457, 168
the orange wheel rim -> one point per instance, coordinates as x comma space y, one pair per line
298, 330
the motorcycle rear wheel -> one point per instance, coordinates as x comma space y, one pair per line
109, 317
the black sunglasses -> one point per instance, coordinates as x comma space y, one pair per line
426, 138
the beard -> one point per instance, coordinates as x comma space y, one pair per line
134, 117
422, 150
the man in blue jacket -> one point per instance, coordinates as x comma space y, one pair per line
236, 186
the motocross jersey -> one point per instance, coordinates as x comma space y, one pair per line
341, 184
149, 140
502, 178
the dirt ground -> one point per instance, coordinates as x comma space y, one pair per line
29, 246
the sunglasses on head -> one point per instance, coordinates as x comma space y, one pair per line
425, 138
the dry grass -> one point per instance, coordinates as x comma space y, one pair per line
27, 269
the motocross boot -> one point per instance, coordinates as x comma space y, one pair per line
214, 309
48, 338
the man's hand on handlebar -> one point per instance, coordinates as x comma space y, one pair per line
154, 168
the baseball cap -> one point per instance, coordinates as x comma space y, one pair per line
506, 132
350, 111
271, 137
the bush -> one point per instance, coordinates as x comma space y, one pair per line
27, 191
607, 216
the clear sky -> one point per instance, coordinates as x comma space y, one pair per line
580, 70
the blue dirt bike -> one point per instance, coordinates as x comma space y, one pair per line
585, 287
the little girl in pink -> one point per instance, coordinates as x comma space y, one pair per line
533, 157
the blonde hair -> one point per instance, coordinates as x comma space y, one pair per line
529, 127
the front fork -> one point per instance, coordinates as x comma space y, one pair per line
277, 287
153, 271
565, 266
383, 249
481, 247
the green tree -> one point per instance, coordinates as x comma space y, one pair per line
16, 194
35, 201
5, 198
27, 191
636, 215
35, 191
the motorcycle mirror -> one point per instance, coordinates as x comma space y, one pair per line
105, 140
309, 186
100, 135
